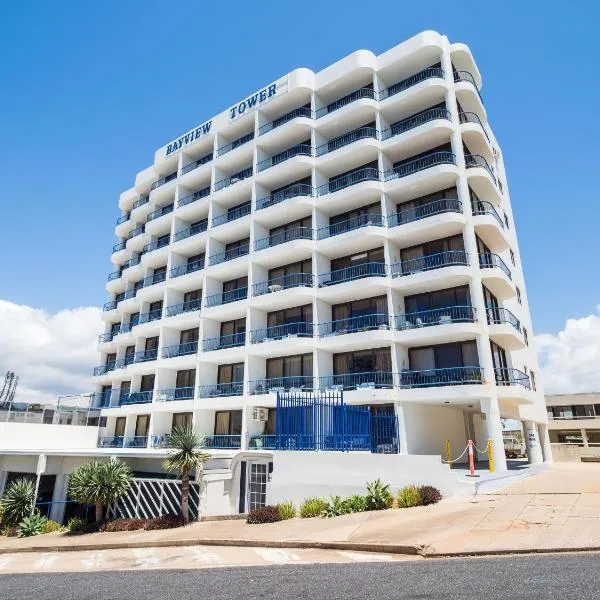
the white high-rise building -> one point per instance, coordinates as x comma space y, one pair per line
347, 233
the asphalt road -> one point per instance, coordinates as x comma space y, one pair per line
545, 577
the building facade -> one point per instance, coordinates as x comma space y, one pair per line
346, 232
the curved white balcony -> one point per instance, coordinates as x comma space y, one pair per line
496, 275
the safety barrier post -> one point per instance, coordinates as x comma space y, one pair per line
449, 453
471, 472
490, 451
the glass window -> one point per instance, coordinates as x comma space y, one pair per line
182, 420
298, 314
235, 284
151, 343
304, 266
142, 423
375, 255
231, 373
299, 365
186, 379
147, 383
377, 359
444, 356
120, 427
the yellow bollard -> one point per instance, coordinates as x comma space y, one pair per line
490, 451
449, 453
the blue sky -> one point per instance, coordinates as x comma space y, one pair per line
90, 90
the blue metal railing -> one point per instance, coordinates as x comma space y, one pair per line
441, 377
431, 261
106, 337
235, 388
415, 121
123, 219
132, 262
190, 231
156, 244
295, 233
192, 267
276, 284
436, 316
194, 165
152, 315
111, 441
235, 144
476, 160
227, 297
368, 220
127, 327
340, 183
154, 279
303, 111
232, 215
371, 269
235, 178
110, 305
420, 164
136, 397
177, 393
159, 212
281, 384
126, 360
294, 191
354, 324
119, 246
481, 207
114, 275
471, 117
499, 316
350, 381
278, 332
428, 73
224, 341
223, 442
359, 94
145, 355
160, 441
298, 150
230, 254
127, 294
489, 260
183, 307
143, 200
263, 442
512, 377
103, 369
435, 207
466, 76
348, 138
135, 232
180, 350
105, 399
135, 441
193, 197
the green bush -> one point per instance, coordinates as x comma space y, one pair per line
378, 496
17, 501
335, 507
287, 510
31, 525
1, 513
51, 526
75, 524
356, 503
266, 514
312, 507
429, 495
409, 496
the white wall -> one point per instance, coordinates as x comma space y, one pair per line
33, 436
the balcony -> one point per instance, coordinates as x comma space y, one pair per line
160, 441
127, 294
264, 442
235, 144
474, 161
282, 384
294, 191
237, 177
132, 262
197, 163
283, 283
441, 377
471, 117
420, 164
362, 93
190, 231
280, 332
145, 355
299, 150
359, 222
156, 244
348, 138
103, 369
303, 111
122, 219
507, 377
119, 246
143, 200
224, 341
110, 305
297, 233
232, 215
159, 212
223, 442
127, 327
187, 268
353, 381
114, 275
222, 257
111, 441
135, 441
162, 181
135, 232
340, 183
437, 316
203, 193
227, 297
125, 361
436, 207
480, 207
415, 121
429, 73
180, 350
355, 324
105, 399
154, 279
106, 337
372, 269
177, 393
136, 398
429, 262
488, 260
466, 76
499, 316
217, 390
183, 307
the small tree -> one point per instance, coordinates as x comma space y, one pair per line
17, 501
184, 454
100, 482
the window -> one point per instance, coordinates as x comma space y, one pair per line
142, 423
110, 360
233, 332
287, 190
181, 420
188, 336
450, 244
120, 427
290, 231
186, 378
300, 365
235, 289
231, 373
458, 296
277, 158
159, 274
340, 181
443, 148
354, 218
303, 266
370, 256
147, 383
196, 259
151, 343
228, 422
413, 209
155, 310
525, 336
298, 314
444, 356
235, 212
518, 295
362, 361
238, 248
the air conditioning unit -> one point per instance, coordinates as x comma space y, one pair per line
260, 414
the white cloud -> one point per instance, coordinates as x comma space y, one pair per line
51, 354
570, 359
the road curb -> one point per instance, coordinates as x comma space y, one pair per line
507, 552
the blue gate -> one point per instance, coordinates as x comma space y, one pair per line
322, 421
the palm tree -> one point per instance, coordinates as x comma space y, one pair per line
18, 500
184, 454
100, 482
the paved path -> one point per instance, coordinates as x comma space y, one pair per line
565, 577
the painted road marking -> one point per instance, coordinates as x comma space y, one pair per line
276, 555
204, 556
358, 557
94, 561
5, 560
146, 558
46, 561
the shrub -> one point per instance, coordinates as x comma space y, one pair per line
287, 510
123, 525
378, 496
429, 495
1, 513
164, 522
75, 524
17, 501
409, 496
355, 503
335, 507
31, 525
266, 514
312, 507
51, 526
9, 531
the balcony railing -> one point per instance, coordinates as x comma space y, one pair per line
294, 191
190, 231
195, 164
106, 399
447, 258
489, 260
298, 150
471, 117
135, 232
183, 307
192, 267
232, 215
160, 441
476, 160
351, 381
235, 388
296, 233
103, 369
348, 138
263, 442
122, 219
127, 327
441, 377
135, 441
279, 332
276, 284
227, 181
126, 360
512, 377
127, 294
193, 197
224, 341
223, 442
281, 384
480, 207
111, 441
371, 269
154, 279
132, 262
106, 337
303, 111
177, 393
370, 220
359, 94
230, 254
355, 324
110, 305
227, 297
340, 183
499, 316
436, 316
180, 350
235, 144
159, 212
435, 207
145, 355
415, 121
420, 164
136, 397
466, 76
163, 180
114, 275
119, 246
143, 200
423, 75
156, 244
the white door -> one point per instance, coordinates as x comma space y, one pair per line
258, 474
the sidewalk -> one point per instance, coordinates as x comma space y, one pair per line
558, 509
